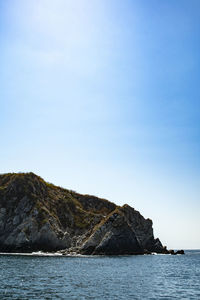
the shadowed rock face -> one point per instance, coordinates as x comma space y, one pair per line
36, 215
114, 236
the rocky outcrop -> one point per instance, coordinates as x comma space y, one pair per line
172, 252
36, 215
124, 231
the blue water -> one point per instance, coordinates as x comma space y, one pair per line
126, 277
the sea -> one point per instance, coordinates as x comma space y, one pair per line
47, 276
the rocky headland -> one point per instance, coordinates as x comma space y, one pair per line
39, 216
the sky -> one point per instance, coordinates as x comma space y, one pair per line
103, 97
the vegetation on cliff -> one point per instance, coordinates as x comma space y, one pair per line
37, 215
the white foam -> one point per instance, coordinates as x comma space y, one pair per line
39, 253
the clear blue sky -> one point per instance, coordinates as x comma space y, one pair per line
103, 97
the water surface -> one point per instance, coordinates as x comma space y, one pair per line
124, 277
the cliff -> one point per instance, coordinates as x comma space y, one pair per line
36, 215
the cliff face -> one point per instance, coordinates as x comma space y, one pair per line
36, 215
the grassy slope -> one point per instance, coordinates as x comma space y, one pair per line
72, 210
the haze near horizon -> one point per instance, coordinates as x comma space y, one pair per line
102, 97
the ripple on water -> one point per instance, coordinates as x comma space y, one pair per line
126, 277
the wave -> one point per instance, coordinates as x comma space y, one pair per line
41, 253
38, 253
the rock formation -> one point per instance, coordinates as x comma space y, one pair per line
36, 215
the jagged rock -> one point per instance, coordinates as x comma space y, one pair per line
35, 215
180, 252
172, 252
113, 236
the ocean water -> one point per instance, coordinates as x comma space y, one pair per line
124, 277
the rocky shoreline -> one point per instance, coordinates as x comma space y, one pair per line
39, 216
